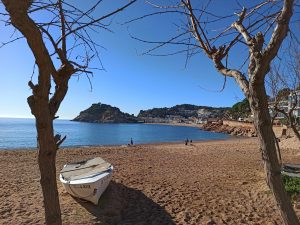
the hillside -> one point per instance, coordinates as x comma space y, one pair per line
181, 113
102, 113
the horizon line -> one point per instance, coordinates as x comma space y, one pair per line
20, 117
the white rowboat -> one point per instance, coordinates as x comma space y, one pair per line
86, 179
291, 170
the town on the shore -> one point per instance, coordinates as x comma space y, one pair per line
236, 120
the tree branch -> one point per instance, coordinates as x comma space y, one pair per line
96, 20
279, 33
63, 30
238, 25
28, 28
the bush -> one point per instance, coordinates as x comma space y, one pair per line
284, 121
291, 184
298, 120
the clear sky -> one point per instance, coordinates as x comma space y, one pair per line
131, 81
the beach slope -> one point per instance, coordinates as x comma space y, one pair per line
215, 182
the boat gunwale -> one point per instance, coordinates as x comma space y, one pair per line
108, 171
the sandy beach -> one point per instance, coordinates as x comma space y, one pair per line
216, 182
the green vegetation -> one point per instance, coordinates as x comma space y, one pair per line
102, 113
291, 184
184, 110
240, 109
284, 121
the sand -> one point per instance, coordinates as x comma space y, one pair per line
216, 182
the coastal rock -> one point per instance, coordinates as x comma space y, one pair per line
102, 113
219, 127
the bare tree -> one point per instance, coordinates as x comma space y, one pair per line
260, 29
62, 47
283, 81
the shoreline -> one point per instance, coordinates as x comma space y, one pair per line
284, 143
179, 124
124, 145
231, 128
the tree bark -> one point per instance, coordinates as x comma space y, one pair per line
46, 158
259, 106
49, 188
46, 161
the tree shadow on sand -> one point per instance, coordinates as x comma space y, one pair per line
120, 205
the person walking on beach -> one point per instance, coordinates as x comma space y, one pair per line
186, 141
131, 141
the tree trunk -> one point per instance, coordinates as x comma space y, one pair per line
46, 161
49, 188
293, 126
277, 146
262, 121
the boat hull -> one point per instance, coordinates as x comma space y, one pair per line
291, 174
291, 170
89, 188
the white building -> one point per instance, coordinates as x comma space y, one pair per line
286, 105
295, 98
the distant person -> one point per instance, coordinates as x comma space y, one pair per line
131, 141
186, 141
191, 141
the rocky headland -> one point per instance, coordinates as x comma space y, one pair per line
102, 113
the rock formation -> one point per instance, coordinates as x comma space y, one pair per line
102, 113
232, 130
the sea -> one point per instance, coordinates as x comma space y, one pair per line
21, 133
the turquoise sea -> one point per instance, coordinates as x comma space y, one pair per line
21, 133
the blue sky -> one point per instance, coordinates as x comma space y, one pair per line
131, 81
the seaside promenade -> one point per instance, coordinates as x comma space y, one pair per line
214, 182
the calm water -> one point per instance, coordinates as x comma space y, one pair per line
20, 133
